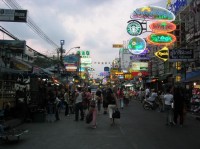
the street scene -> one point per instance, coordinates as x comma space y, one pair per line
100, 74
136, 129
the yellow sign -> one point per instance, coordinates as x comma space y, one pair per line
163, 54
118, 46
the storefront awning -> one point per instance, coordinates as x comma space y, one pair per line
192, 76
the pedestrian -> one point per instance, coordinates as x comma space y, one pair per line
112, 104
79, 104
66, 101
168, 99
178, 105
147, 93
93, 110
120, 96
57, 107
99, 99
105, 102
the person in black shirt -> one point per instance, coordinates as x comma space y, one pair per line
99, 99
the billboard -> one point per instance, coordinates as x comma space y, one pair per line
139, 66
16, 46
12, 15
86, 60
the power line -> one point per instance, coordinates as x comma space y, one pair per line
13, 4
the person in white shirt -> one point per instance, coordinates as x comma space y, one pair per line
147, 92
153, 95
168, 99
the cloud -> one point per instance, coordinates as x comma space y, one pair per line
91, 24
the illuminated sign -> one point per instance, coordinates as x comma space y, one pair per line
134, 28
161, 39
153, 13
163, 54
86, 60
162, 26
176, 6
139, 66
136, 45
84, 53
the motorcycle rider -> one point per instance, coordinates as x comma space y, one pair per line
153, 96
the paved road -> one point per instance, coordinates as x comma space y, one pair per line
137, 129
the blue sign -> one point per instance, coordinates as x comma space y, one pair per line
70, 59
177, 5
106, 68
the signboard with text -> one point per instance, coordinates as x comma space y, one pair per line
12, 15
181, 55
16, 46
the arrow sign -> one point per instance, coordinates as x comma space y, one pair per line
163, 54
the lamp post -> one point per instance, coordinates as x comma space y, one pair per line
62, 42
71, 49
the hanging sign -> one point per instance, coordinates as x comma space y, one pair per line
153, 13
134, 28
12, 15
136, 45
181, 55
163, 54
161, 39
162, 26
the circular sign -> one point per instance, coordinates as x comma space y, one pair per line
134, 28
136, 45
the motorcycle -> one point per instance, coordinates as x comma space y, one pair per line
150, 105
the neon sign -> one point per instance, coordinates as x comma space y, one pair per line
136, 45
163, 54
162, 26
161, 39
153, 13
134, 28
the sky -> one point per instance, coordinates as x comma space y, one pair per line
93, 25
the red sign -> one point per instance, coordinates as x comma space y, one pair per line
162, 26
139, 74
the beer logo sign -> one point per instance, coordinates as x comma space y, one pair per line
161, 39
136, 45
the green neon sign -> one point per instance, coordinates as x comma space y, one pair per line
161, 38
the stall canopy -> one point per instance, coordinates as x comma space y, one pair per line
192, 76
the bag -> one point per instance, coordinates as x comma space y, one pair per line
116, 114
89, 117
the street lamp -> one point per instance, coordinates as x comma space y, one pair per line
62, 42
72, 48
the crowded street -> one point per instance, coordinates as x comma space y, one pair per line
137, 129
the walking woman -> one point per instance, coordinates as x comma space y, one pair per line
112, 104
